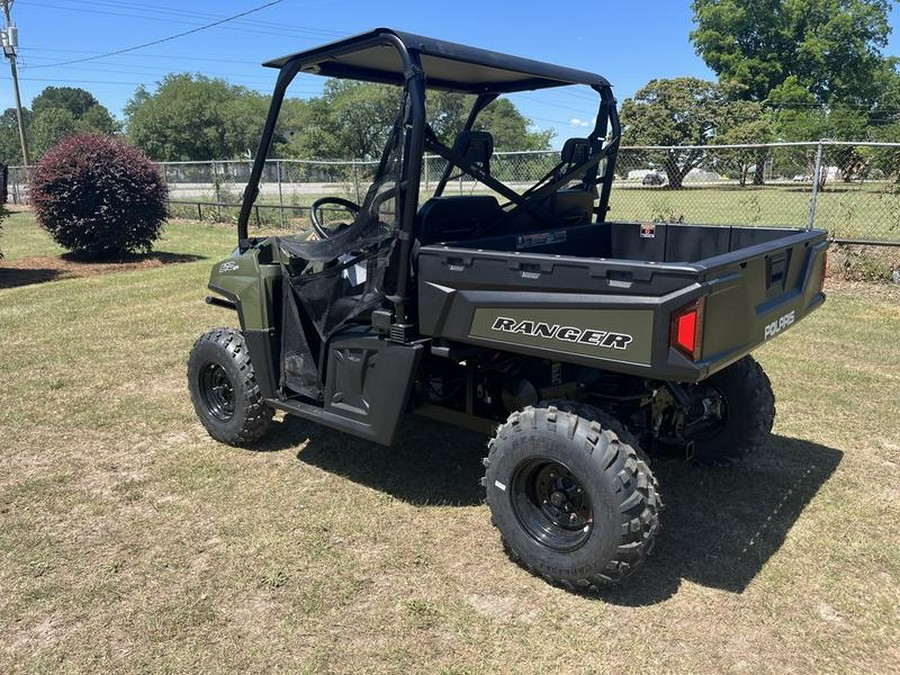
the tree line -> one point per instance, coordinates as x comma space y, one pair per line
194, 117
788, 70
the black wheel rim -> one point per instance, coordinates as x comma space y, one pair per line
217, 392
551, 504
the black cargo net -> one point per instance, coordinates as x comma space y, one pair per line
337, 280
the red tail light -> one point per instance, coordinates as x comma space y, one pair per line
687, 330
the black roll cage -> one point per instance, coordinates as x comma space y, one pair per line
426, 63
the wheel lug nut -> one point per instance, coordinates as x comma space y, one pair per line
572, 517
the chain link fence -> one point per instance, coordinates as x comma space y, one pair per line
850, 189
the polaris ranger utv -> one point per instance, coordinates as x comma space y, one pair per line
584, 346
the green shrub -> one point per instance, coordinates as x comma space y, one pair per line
98, 196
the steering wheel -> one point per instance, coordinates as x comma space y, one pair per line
322, 230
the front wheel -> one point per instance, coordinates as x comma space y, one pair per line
224, 390
574, 501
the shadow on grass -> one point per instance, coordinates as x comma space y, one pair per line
11, 277
136, 259
431, 463
720, 526
36, 270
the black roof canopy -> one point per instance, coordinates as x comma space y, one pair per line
374, 57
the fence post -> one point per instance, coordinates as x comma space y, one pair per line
17, 199
280, 193
427, 174
216, 190
817, 173
356, 180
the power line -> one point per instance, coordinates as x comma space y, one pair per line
258, 28
157, 10
188, 57
165, 39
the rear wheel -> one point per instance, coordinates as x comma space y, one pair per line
574, 501
224, 390
741, 404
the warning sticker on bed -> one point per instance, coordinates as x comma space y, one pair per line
535, 239
648, 230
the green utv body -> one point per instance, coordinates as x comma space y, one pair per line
583, 346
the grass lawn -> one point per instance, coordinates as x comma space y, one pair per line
845, 210
132, 542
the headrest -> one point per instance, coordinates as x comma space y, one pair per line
576, 151
477, 147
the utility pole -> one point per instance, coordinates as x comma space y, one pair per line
10, 42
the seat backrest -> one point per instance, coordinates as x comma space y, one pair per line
477, 147
573, 204
575, 151
455, 218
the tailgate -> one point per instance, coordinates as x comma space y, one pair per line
758, 293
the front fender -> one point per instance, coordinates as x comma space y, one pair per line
250, 285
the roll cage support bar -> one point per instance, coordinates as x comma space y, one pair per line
412, 154
415, 125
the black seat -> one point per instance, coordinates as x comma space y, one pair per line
458, 218
455, 218
477, 147
575, 151
574, 204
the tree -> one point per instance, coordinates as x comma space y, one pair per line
684, 111
796, 116
192, 117
74, 99
97, 120
58, 112
358, 117
10, 146
49, 127
55, 113
447, 113
352, 120
747, 123
510, 128
886, 160
833, 48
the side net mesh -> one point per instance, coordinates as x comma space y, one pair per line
330, 282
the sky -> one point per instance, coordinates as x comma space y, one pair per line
629, 42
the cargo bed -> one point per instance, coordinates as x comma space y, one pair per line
567, 293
